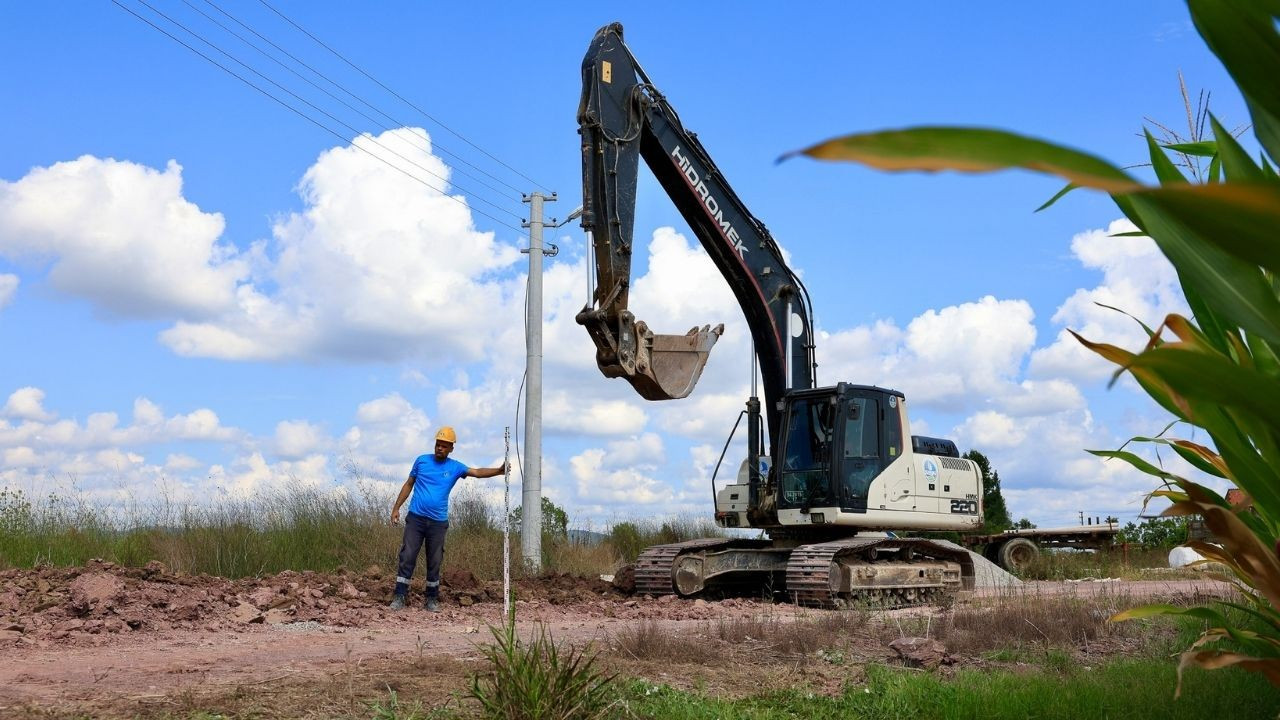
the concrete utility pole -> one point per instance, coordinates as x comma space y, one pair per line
531, 489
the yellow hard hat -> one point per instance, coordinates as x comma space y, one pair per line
447, 434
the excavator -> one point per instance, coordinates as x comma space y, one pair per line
837, 476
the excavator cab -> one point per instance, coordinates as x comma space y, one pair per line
835, 442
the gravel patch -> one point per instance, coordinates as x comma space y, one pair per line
303, 627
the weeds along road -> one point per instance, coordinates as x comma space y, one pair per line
107, 634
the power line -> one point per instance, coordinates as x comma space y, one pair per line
312, 120
337, 99
320, 110
337, 85
398, 95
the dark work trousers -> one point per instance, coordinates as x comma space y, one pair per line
417, 530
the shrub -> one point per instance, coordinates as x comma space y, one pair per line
626, 540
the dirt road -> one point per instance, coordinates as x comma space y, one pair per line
79, 636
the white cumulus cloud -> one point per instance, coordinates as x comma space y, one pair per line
1136, 278
121, 235
565, 413
622, 486
949, 358
991, 430
377, 267
298, 438
27, 404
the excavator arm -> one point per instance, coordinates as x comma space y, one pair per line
622, 118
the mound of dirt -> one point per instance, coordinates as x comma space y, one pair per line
101, 598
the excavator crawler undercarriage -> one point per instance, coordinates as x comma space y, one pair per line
858, 571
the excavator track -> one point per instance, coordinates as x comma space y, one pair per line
655, 566
848, 573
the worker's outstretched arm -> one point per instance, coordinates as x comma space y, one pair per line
486, 472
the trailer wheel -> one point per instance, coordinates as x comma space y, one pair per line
1017, 554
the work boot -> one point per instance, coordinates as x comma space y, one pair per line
433, 605
397, 603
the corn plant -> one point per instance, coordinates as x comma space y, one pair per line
1218, 370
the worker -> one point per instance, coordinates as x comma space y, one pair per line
430, 481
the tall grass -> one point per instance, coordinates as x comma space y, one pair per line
296, 529
1114, 563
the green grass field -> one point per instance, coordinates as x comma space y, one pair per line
1132, 689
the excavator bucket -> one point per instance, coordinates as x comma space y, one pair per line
668, 366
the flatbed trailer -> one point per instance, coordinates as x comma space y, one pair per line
1016, 549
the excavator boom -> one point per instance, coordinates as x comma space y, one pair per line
622, 119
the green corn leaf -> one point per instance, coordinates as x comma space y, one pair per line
1209, 322
1203, 148
1131, 233
1057, 196
970, 150
1166, 172
1253, 473
1236, 163
1267, 171
1190, 454
1243, 34
1141, 324
1234, 288
1213, 378
1137, 462
1264, 356
1264, 613
1251, 459
1242, 219
1215, 170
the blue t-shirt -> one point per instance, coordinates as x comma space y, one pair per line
432, 482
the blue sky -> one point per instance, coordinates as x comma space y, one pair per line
204, 295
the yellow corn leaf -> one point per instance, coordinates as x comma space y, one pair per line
1239, 352
1217, 554
1184, 330
1207, 455
1217, 659
1257, 561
